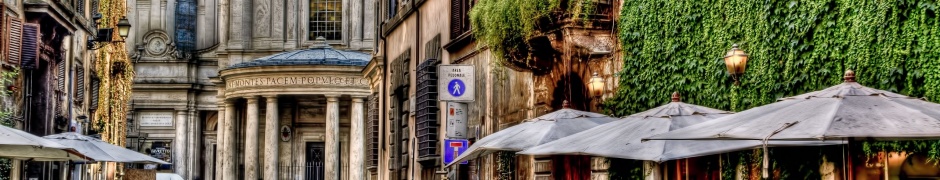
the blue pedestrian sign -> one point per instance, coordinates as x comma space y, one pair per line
457, 82
453, 148
456, 88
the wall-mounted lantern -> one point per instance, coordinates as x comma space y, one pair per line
736, 61
124, 27
596, 85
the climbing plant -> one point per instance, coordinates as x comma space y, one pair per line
116, 73
115, 70
7, 78
795, 47
504, 25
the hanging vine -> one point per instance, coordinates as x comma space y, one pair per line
115, 70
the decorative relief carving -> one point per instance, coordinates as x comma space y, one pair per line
291, 18
297, 80
262, 19
156, 43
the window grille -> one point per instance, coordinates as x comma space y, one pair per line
373, 130
426, 109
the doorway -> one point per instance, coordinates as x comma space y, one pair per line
313, 164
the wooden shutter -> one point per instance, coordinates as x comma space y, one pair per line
15, 44
29, 48
456, 17
79, 84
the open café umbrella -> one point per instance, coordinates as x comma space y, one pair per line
17, 144
844, 111
533, 132
98, 150
623, 139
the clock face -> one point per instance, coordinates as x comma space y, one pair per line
156, 46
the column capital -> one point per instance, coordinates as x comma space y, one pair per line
252, 99
360, 97
332, 98
229, 100
270, 97
357, 99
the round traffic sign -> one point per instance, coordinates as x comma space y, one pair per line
456, 88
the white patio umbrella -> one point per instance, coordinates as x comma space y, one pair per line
848, 110
18, 144
623, 139
98, 150
533, 132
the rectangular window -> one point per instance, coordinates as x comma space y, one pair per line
326, 19
392, 8
459, 17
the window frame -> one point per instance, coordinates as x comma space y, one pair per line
309, 40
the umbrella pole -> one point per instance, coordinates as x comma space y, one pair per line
766, 162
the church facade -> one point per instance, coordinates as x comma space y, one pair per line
241, 89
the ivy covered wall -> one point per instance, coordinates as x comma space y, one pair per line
795, 47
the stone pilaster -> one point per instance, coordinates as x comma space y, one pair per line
332, 138
356, 154
251, 139
228, 158
270, 138
180, 149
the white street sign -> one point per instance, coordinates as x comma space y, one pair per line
455, 83
456, 114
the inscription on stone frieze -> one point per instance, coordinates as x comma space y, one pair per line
294, 80
157, 119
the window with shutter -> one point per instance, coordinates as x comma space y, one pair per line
459, 17
15, 42
29, 46
79, 84
93, 94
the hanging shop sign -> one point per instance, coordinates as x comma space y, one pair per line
455, 83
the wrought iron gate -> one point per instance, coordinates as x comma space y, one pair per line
313, 166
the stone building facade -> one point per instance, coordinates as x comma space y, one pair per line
417, 35
46, 42
202, 64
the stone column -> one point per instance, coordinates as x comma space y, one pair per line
228, 157
195, 145
332, 138
356, 154
251, 139
270, 138
219, 141
180, 144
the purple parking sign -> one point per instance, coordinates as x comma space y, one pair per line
453, 148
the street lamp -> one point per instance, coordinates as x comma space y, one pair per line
596, 85
736, 61
124, 27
